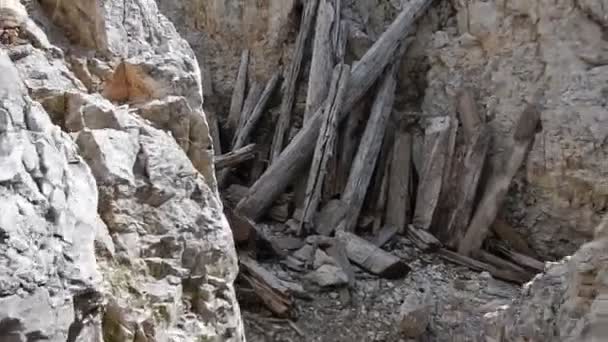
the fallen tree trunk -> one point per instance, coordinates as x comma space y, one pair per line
238, 93
324, 150
371, 258
498, 185
235, 157
291, 79
298, 153
367, 155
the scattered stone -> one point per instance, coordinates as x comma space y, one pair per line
415, 314
328, 276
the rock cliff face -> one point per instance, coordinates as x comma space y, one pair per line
568, 302
111, 225
509, 51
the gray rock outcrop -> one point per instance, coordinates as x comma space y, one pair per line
568, 303
111, 226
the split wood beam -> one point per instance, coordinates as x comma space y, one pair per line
498, 185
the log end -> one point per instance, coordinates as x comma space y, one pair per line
397, 270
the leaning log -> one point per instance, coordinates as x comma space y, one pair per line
238, 93
253, 97
398, 202
256, 114
371, 258
321, 64
324, 149
299, 152
367, 155
498, 185
291, 80
437, 148
235, 157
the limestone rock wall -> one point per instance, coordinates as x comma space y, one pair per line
111, 228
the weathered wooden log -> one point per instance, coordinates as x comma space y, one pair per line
371, 258
349, 141
468, 114
256, 114
509, 235
424, 240
253, 97
498, 185
376, 197
438, 150
367, 154
299, 152
518, 258
384, 235
338, 252
324, 149
476, 265
238, 93
398, 202
291, 79
322, 61
247, 234
460, 187
235, 157
273, 293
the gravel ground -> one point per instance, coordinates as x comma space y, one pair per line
370, 312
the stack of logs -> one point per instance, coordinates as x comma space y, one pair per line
330, 182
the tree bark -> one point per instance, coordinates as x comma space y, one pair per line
292, 78
299, 152
498, 185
